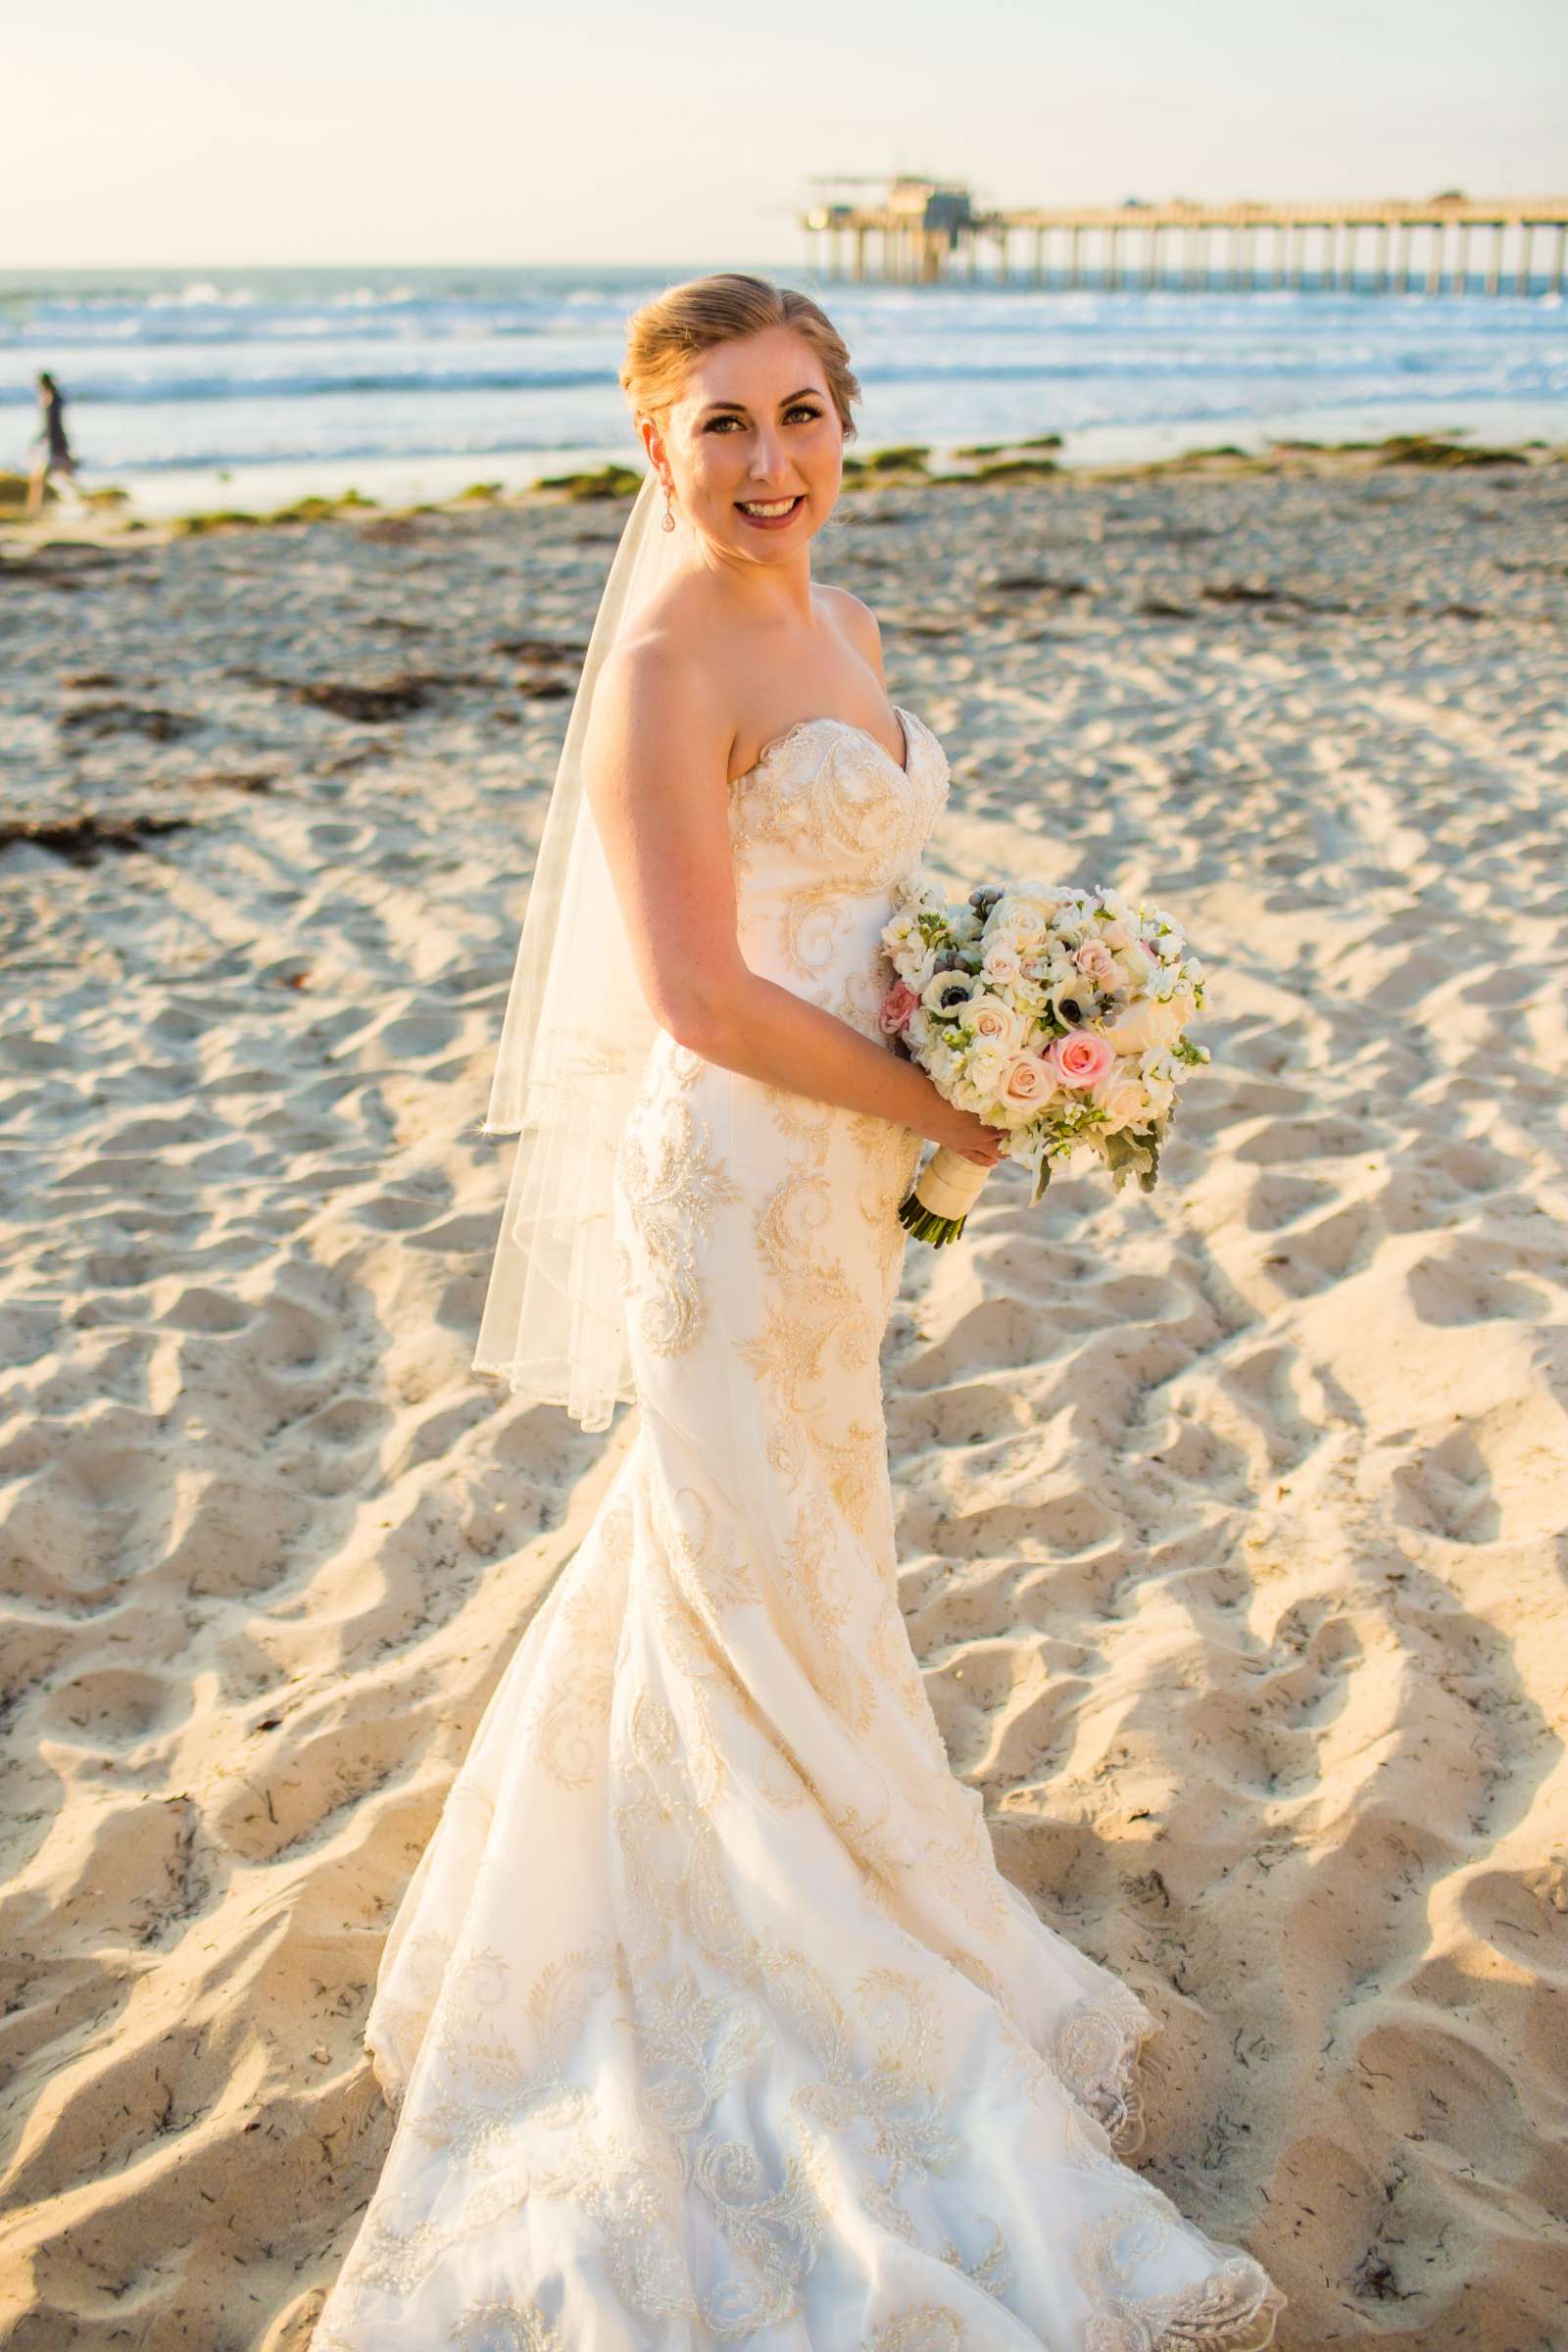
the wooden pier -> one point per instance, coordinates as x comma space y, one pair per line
924, 232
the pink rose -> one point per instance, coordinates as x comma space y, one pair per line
1081, 1058
897, 1007
1029, 1079
1097, 963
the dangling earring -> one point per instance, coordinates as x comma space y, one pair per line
668, 523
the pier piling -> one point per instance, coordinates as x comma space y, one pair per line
920, 231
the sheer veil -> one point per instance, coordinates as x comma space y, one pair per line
574, 1042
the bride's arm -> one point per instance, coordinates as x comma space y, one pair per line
655, 763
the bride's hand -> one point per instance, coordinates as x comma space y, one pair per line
963, 1132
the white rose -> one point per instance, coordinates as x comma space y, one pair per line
1021, 919
994, 1021
1123, 1099
1153, 1021
1002, 965
1136, 964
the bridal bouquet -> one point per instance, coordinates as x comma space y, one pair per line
1056, 1012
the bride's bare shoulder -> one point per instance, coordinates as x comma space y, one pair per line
856, 623
659, 696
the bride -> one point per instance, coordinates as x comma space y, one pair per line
707, 2014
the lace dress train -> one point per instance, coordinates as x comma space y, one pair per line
707, 2016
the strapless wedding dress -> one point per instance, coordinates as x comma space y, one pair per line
708, 2015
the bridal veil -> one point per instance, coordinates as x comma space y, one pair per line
574, 1042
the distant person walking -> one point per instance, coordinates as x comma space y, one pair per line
57, 457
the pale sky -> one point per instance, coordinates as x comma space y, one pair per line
184, 132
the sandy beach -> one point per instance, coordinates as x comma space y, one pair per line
1229, 1516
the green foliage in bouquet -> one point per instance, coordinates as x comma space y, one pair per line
926, 1225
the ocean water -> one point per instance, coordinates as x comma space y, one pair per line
242, 387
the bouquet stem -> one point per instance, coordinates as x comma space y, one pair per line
945, 1190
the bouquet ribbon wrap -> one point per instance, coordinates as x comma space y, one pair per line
949, 1185
945, 1190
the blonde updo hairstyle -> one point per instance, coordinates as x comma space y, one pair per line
667, 334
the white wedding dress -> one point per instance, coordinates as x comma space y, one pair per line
708, 2017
